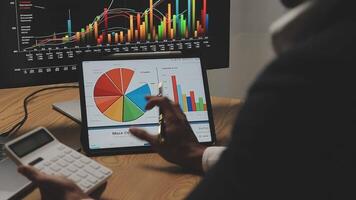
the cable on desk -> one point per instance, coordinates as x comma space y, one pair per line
27, 100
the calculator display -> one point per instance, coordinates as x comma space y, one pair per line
31, 143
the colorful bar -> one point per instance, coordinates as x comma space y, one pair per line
77, 36
192, 97
201, 104
164, 28
96, 30
138, 21
146, 23
189, 15
109, 38
177, 14
121, 37
180, 96
69, 24
207, 24
169, 19
175, 92
194, 16
185, 103
137, 35
151, 16
189, 101
131, 27
128, 35
175, 25
82, 34
116, 38
204, 15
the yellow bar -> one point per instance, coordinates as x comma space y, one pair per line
151, 17
196, 34
144, 30
164, 28
109, 38
116, 38
172, 34
96, 30
128, 36
77, 36
169, 17
121, 37
131, 26
185, 104
141, 32
136, 35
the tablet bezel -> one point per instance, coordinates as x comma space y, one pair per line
135, 149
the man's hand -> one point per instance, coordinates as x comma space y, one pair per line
53, 187
180, 146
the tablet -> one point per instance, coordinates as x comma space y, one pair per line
113, 100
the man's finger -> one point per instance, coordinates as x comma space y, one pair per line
163, 103
31, 173
143, 135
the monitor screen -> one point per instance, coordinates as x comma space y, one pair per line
44, 40
115, 91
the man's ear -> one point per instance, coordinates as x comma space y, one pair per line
292, 3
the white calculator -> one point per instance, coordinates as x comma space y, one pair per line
41, 150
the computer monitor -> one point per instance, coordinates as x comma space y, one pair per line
42, 41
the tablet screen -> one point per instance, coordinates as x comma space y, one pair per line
115, 92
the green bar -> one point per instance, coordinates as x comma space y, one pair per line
184, 27
201, 104
175, 25
181, 25
83, 30
160, 32
146, 23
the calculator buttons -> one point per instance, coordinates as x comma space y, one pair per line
82, 174
85, 160
79, 165
85, 184
55, 168
75, 178
61, 147
65, 173
86, 173
69, 159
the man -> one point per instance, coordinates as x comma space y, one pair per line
294, 138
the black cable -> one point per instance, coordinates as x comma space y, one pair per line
27, 100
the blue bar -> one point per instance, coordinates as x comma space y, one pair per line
189, 16
207, 23
180, 96
189, 101
69, 24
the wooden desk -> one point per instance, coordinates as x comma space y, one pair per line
142, 176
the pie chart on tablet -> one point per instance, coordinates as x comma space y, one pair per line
113, 99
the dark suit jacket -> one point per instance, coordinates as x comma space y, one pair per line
295, 138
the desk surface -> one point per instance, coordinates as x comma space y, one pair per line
141, 176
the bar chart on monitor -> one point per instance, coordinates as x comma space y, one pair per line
112, 23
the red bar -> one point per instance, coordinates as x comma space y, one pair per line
175, 91
106, 19
192, 98
204, 14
